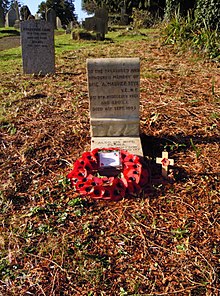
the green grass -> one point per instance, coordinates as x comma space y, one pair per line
7, 32
10, 60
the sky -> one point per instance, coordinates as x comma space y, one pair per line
33, 6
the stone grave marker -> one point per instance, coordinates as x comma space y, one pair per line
102, 14
51, 17
2, 21
10, 18
114, 86
58, 23
98, 23
37, 41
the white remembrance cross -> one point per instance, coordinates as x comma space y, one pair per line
165, 162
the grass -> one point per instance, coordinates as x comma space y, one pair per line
55, 242
8, 32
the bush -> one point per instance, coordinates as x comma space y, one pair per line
185, 33
142, 18
207, 14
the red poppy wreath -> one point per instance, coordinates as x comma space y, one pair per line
90, 178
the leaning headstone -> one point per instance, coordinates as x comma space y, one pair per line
37, 41
58, 23
114, 86
10, 18
2, 21
51, 17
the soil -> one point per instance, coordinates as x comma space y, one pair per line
9, 42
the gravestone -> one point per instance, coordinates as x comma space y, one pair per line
58, 23
17, 21
102, 14
114, 86
2, 21
37, 41
51, 17
25, 13
98, 23
10, 18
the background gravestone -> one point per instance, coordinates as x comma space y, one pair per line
58, 23
102, 13
25, 13
51, 17
10, 18
114, 86
98, 23
2, 21
37, 41
17, 21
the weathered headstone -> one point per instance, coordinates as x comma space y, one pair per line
114, 86
2, 21
17, 21
58, 23
37, 41
10, 18
51, 17
98, 23
102, 14
25, 12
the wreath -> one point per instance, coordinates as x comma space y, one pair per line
89, 178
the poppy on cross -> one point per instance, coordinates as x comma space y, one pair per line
165, 162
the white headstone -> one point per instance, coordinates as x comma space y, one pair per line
114, 86
37, 41
58, 23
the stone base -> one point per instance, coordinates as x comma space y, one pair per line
130, 144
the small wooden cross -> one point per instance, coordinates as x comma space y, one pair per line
165, 161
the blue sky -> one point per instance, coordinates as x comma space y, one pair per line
33, 6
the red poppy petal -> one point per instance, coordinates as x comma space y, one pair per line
98, 192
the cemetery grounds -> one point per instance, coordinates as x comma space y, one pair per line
55, 242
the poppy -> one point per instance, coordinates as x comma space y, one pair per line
107, 181
96, 181
165, 162
132, 175
84, 188
132, 158
98, 192
90, 158
120, 183
78, 174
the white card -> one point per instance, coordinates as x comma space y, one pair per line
109, 159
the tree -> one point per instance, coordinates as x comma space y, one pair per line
42, 10
64, 9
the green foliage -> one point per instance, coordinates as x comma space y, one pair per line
185, 32
142, 19
172, 6
208, 13
64, 9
